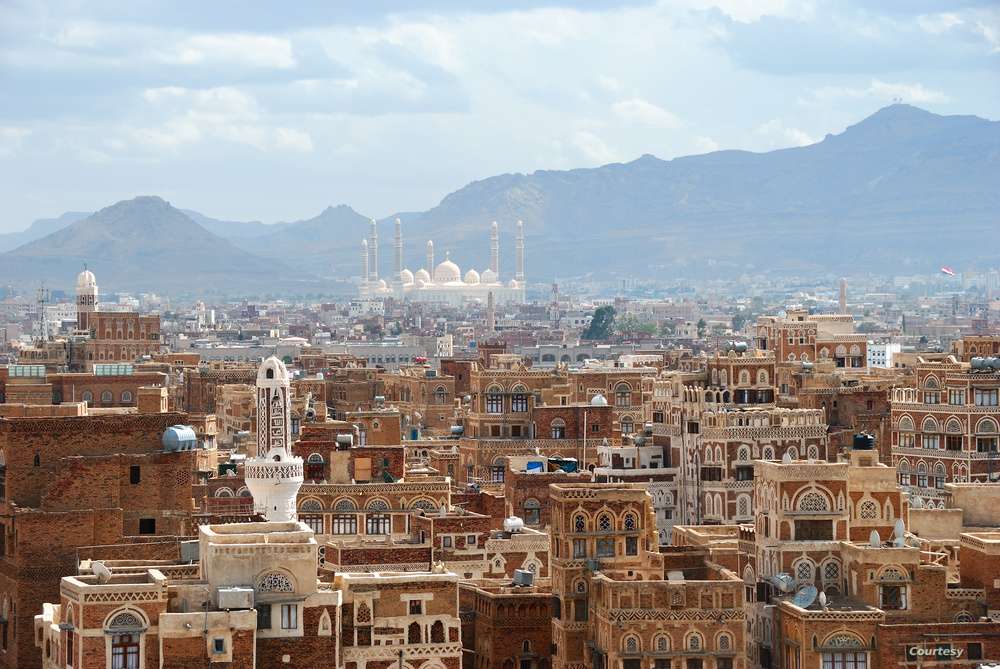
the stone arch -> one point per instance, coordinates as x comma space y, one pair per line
929, 424
224, 492
311, 504
986, 425
905, 423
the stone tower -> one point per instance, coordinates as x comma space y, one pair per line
519, 269
495, 249
86, 297
274, 475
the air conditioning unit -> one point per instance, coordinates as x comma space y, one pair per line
236, 597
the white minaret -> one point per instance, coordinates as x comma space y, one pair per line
86, 297
364, 266
373, 267
274, 475
491, 314
430, 258
399, 253
495, 249
519, 270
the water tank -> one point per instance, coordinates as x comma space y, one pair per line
513, 524
236, 597
599, 400
179, 438
523, 577
864, 442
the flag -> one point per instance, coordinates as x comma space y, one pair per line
949, 271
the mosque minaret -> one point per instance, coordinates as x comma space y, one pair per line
274, 475
443, 282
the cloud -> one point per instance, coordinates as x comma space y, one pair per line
643, 112
242, 50
705, 145
881, 91
11, 139
776, 135
593, 149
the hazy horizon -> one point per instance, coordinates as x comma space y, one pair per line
252, 113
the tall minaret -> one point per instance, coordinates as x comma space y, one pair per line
274, 475
373, 247
398, 278
843, 296
86, 297
491, 314
495, 249
430, 258
364, 266
519, 270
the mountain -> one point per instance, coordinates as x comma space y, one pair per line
327, 244
145, 244
230, 229
38, 229
902, 188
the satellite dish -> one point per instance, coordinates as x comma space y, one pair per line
822, 600
899, 530
874, 540
899, 542
786, 458
102, 573
805, 596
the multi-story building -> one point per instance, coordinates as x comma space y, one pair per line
424, 397
945, 427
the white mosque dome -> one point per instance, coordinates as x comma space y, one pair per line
406, 276
420, 283
85, 279
512, 283
598, 400
472, 277
488, 276
447, 272
422, 275
382, 285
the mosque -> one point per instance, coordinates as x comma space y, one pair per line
446, 284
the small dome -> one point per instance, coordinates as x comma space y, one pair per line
598, 400
272, 371
422, 275
420, 283
406, 276
512, 283
472, 277
86, 279
488, 276
382, 285
447, 272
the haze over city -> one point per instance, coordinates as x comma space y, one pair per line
524, 335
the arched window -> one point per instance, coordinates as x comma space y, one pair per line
743, 506
441, 395
376, 520
604, 523
345, 520
767, 453
623, 395
519, 399
87, 396
580, 523
532, 512
694, 641
558, 428
275, 581
813, 501
831, 572
224, 492
743, 453
627, 426
107, 397
906, 424
126, 397
125, 629
424, 504
724, 642
494, 400
662, 644
868, 509
311, 506
631, 645
762, 377
315, 467
629, 523
929, 425
805, 571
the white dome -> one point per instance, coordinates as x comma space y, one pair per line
382, 285
85, 279
272, 372
598, 400
488, 276
406, 276
422, 275
472, 277
447, 272
512, 283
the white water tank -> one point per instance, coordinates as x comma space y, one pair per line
513, 524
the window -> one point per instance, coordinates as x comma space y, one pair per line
218, 646
134, 474
892, 597
289, 616
580, 524
631, 546
604, 523
345, 523
315, 467
813, 530
694, 663
87, 396
377, 523
147, 526
956, 397
125, 651
985, 397
724, 663
932, 397
605, 548
580, 610
416, 607
953, 442
494, 402
470, 540
661, 663
126, 397
579, 548
532, 512
845, 661
986, 444
629, 523
932, 441
263, 616
445, 542
106, 397
907, 440
314, 521
623, 395
558, 426
974, 651
627, 426
519, 402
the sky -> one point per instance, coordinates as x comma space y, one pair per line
273, 111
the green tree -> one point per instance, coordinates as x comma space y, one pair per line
739, 320
668, 329
601, 323
701, 327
